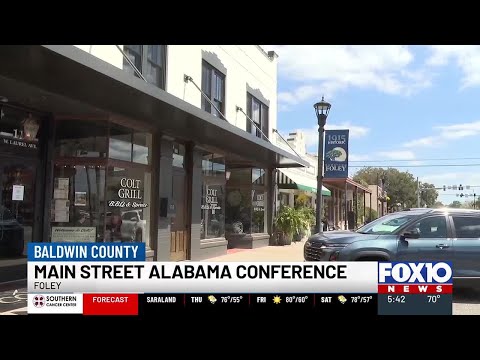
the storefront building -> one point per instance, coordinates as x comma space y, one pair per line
97, 151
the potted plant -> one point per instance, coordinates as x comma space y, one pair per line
307, 221
288, 222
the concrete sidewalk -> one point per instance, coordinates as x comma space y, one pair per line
293, 252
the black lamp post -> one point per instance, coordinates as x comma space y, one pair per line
322, 109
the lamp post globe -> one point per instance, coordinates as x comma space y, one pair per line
322, 109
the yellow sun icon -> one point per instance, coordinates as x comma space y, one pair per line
277, 299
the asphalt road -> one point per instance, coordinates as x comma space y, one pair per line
466, 301
13, 301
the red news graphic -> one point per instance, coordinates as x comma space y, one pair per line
415, 289
110, 304
414, 278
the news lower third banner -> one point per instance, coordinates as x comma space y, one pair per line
115, 279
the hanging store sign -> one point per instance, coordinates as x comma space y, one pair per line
336, 154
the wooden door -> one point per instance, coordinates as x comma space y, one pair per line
179, 237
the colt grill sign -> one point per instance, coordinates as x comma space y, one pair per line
211, 200
129, 194
336, 154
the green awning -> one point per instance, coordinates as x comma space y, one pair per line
288, 179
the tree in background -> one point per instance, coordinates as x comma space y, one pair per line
429, 195
438, 205
456, 204
400, 186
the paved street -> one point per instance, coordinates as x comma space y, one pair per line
466, 301
13, 301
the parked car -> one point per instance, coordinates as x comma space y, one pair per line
409, 235
11, 234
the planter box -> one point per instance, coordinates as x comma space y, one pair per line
247, 241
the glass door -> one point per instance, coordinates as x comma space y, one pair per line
17, 206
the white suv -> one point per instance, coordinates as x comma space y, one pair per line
133, 226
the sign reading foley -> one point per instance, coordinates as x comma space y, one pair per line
336, 154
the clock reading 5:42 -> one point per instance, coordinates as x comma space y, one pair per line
396, 298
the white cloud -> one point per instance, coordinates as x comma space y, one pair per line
466, 57
398, 155
356, 131
446, 132
425, 141
311, 135
317, 70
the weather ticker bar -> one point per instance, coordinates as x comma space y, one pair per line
159, 304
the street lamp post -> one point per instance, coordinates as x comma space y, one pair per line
322, 109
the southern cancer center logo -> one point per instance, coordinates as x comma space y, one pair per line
38, 301
55, 304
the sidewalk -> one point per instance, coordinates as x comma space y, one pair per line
293, 252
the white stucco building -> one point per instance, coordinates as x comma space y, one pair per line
233, 76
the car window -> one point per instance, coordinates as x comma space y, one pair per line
385, 225
467, 226
431, 227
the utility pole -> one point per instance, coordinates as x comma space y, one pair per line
418, 193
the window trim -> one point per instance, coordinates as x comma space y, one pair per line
212, 72
262, 107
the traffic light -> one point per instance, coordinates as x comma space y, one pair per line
460, 187
444, 188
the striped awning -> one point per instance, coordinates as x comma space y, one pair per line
290, 180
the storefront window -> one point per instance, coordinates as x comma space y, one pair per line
142, 147
213, 197
101, 200
129, 205
258, 200
20, 134
258, 217
120, 145
238, 204
77, 204
245, 202
178, 155
238, 210
81, 139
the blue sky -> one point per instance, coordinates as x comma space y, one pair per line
411, 103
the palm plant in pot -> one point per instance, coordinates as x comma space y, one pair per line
288, 222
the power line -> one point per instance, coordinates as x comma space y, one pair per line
444, 159
411, 166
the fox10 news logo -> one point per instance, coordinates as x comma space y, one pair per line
414, 278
